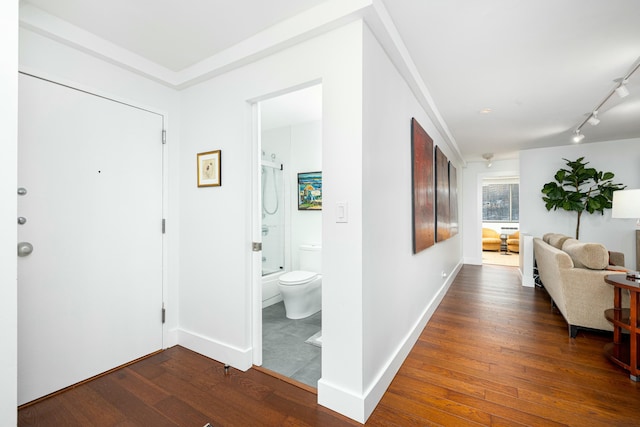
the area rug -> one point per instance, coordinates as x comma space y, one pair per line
315, 339
498, 258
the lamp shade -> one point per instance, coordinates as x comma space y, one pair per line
626, 204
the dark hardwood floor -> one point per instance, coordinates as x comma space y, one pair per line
494, 353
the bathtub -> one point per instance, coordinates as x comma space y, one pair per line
270, 292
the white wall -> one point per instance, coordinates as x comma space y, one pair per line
306, 156
539, 166
498, 227
472, 176
8, 212
215, 259
400, 290
49, 59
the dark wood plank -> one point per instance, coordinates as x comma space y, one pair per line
494, 353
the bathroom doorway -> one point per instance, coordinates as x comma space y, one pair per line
289, 142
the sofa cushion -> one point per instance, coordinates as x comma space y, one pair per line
557, 240
593, 256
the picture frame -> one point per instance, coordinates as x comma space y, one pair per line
423, 210
209, 168
443, 217
310, 191
453, 200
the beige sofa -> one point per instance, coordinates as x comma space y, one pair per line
573, 274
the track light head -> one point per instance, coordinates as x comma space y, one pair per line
622, 90
577, 136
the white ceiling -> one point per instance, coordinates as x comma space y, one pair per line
540, 66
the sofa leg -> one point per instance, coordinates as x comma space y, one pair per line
573, 331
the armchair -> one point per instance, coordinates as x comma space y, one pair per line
490, 240
513, 242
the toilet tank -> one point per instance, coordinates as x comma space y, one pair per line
311, 258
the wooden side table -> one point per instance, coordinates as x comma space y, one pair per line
622, 352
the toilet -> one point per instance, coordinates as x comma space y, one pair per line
301, 289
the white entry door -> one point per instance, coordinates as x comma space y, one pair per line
90, 292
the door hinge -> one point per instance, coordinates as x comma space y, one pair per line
164, 313
256, 246
164, 226
164, 136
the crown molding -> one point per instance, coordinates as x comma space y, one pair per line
318, 20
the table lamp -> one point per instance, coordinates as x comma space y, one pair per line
626, 204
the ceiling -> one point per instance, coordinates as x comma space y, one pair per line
505, 75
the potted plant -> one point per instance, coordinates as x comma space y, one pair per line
579, 188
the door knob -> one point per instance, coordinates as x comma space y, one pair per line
21, 220
24, 249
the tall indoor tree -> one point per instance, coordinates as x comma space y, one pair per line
579, 188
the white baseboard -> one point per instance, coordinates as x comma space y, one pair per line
341, 401
359, 408
170, 338
238, 358
473, 260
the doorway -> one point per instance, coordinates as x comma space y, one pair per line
500, 220
90, 202
289, 143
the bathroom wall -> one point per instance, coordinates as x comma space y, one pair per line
306, 156
300, 148
274, 245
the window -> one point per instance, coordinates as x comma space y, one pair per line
500, 202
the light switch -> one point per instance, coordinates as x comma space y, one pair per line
342, 212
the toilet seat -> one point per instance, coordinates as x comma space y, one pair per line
293, 278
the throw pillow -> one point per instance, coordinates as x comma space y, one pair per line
593, 256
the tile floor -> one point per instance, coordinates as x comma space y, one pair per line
283, 345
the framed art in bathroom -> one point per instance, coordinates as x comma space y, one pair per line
310, 191
209, 169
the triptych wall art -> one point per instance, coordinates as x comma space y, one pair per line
423, 202
435, 195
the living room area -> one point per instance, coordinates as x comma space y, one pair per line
500, 220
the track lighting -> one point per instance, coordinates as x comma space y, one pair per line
577, 136
622, 90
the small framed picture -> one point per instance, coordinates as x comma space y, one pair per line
209, 173
310, 191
